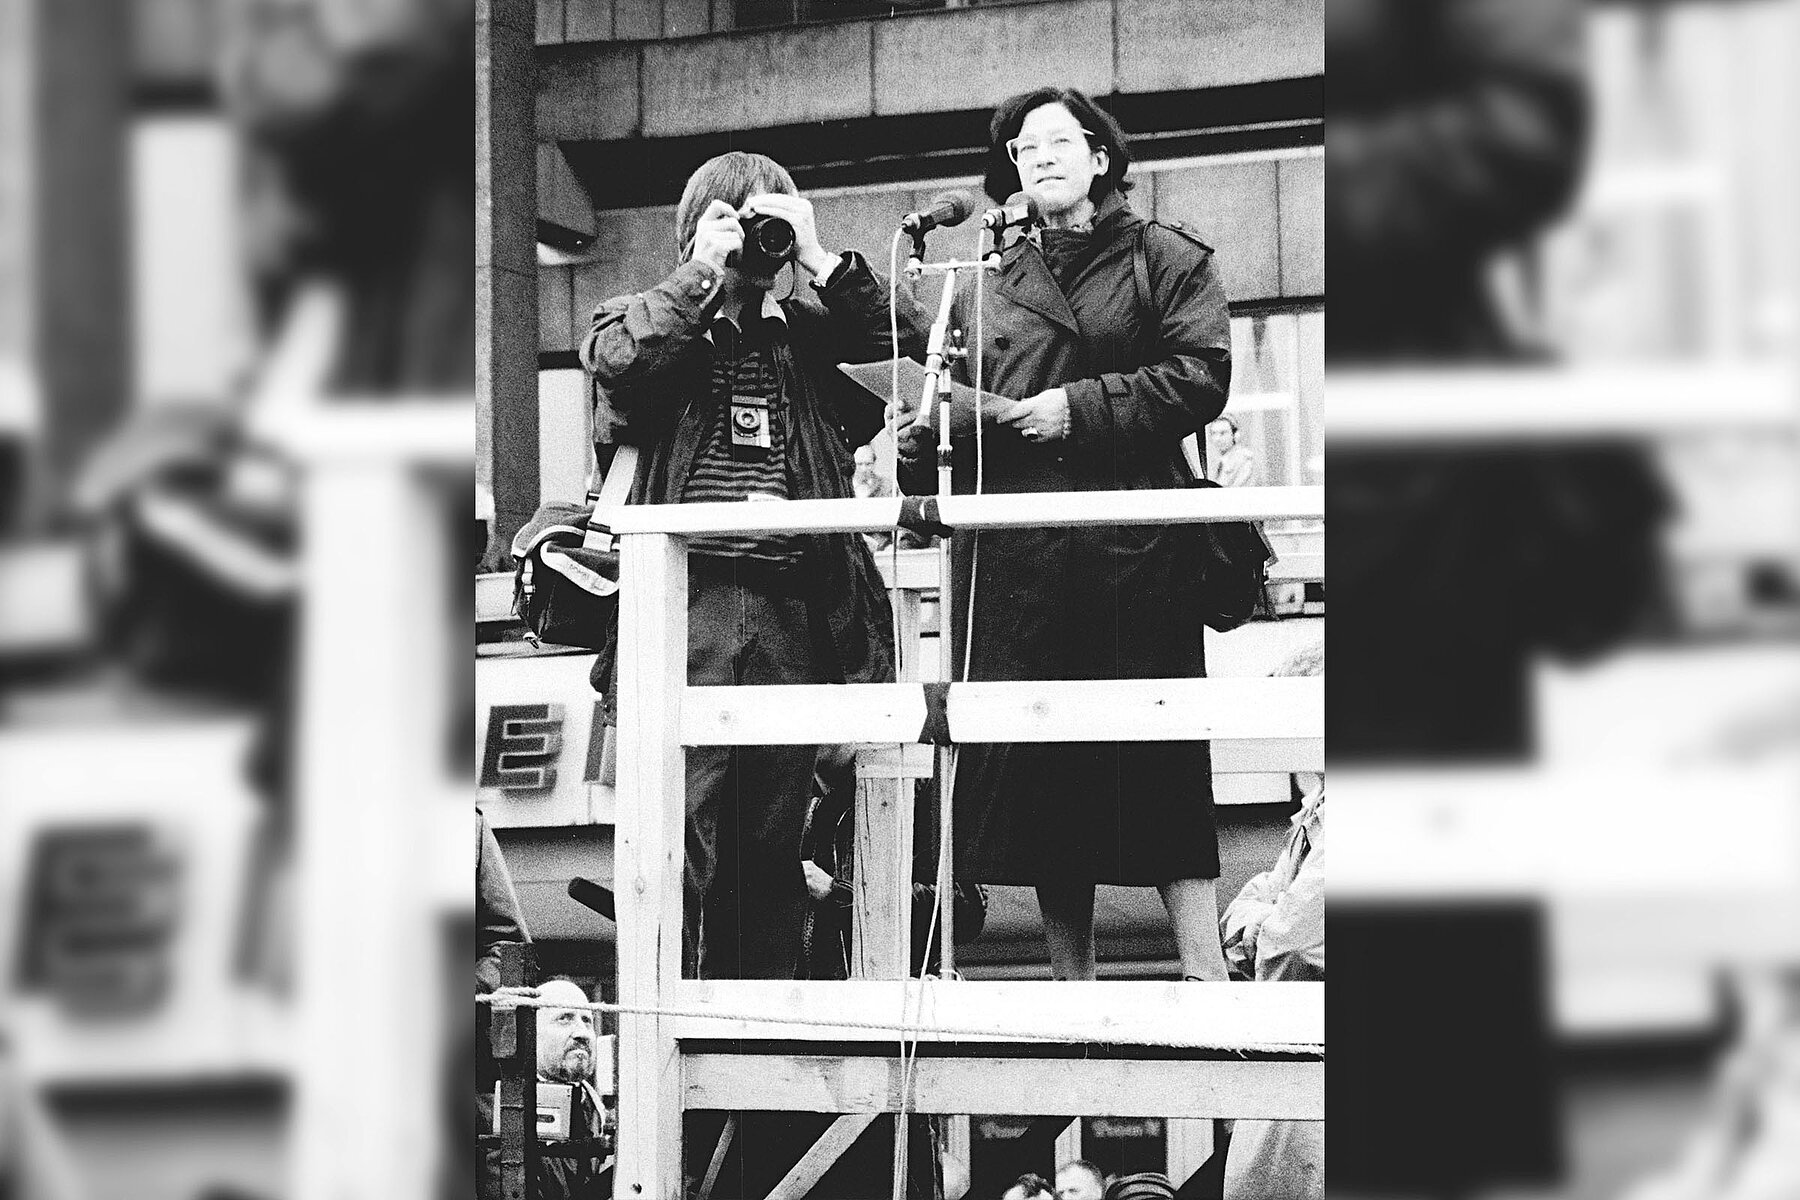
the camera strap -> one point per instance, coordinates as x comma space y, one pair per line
614, 491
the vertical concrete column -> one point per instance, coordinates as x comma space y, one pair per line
506, 261
64, 279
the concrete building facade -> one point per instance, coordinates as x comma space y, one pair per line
875, 108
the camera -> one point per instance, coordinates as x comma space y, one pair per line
768, 246
750, 438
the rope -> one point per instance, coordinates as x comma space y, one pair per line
1309, 1049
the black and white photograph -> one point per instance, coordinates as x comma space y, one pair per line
1035, 904
891, 729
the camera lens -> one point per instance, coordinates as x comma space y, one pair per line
774, 237
768, 243
745, 420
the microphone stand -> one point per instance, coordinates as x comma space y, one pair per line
937, 387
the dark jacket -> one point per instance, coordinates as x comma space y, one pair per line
1098, 602
652, 364
1453, 130
498, 919
558, 1177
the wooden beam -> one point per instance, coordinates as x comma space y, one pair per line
1136, 710
881, 909
1288, 1089
1025, 510
718, 1158
1230, 756
1133, 1013
1298, 568
816, 1161
905, 760
1301, 559
422, 428
1557, 403
913, 570
648, 862
1267, 756
801, 714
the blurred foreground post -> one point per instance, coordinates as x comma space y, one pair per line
383, 818
64, 299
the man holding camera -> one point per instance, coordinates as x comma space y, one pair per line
733, 394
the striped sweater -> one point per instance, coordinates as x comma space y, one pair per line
743, 364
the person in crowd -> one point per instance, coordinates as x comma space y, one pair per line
1111, 375
565, 1056
498, 922
1029, 1186
565, 1035
732, 392
1275, 930
1145, 1185
1233, 464
1079, 1179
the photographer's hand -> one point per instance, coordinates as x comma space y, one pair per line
798, 212
818, 882
718, 235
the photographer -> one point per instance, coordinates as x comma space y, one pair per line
734, 394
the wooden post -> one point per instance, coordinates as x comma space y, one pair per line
882, 911
506, 211
512, 1040
65, 300
649, 859
374, 783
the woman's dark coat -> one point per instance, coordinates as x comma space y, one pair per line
1098, 602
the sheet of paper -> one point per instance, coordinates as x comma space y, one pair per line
877, 377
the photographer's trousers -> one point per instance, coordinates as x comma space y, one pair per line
745, 895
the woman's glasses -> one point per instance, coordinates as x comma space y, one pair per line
1057, 145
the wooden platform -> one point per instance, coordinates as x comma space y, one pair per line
1189, 1050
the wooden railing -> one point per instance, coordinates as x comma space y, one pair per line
1222, 1050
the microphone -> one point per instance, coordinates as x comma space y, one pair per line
947, 209
591, 895
1019, 209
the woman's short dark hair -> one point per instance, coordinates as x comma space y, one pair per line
1003, 174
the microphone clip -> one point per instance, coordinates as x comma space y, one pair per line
915, 259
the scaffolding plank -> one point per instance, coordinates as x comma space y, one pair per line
1138, 710
1556, 403
1025, 510
1287, 1089
1230, 756
818, 1159
1126, 1013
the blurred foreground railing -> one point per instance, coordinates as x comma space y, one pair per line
385, 835
1658, 825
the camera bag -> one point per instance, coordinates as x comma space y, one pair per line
566, 562
1234, 555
